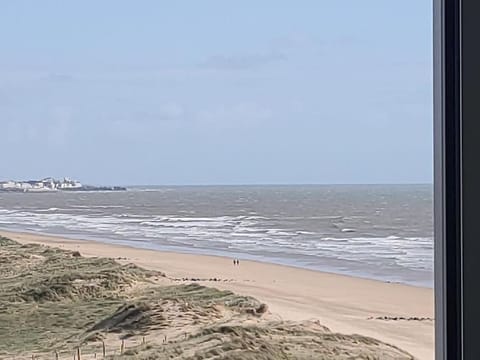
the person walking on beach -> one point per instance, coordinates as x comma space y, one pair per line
234, 262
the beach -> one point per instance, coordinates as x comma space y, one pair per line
397, 314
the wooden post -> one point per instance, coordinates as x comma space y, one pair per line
122, 347
78, 354
103, 348
143, 340
56, 355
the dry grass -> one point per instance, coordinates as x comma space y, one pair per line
269, 342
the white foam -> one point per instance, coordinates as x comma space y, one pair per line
245, 233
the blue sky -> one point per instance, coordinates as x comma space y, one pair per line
217, 92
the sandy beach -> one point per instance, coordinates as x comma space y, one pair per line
394, 313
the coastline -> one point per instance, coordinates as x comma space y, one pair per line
284, 262
398, 314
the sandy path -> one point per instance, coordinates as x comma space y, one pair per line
342, 303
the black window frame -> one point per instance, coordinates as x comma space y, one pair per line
457, 178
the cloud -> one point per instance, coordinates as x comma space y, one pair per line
58, 128
242, 62
242, 115
5, 98
151, 114
171, 111
52, 129
234, 116
295, 41
14, 133
59, 77
144, 124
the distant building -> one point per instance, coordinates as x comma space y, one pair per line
50, 184
7, 185
26, 185
70, 184
11, 185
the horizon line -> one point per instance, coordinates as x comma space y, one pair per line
242, 184
280, 184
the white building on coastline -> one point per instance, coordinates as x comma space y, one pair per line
69, 184
8, 184
48, 184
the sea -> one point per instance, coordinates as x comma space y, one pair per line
382, 232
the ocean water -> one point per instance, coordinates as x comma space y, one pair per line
382, 232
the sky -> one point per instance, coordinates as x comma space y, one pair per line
217, 92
